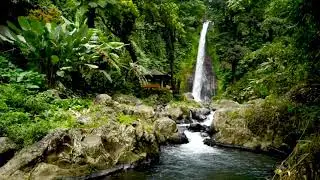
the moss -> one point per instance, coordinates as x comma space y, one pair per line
126, 119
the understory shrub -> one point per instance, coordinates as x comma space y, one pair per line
27, 115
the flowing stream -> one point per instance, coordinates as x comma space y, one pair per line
196, 160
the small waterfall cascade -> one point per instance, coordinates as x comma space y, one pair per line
198, 77
196, 145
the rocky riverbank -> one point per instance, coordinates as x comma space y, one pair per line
115, 133
232, 129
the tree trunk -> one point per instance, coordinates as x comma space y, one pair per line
91, 15
130, 48
233, 71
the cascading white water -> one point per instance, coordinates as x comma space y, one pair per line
198, 78
196, 145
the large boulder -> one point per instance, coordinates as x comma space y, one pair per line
7, 149
143, 111
175, 113
178, 138
127, 99
164, 128
196, 127
200, 114
224, 103
75, 152
231, 129
103, 99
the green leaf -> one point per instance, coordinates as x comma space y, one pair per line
93, 4
7, 34
24, 23
114, 56
92, 66
54, 59
106, 75
5, 39
21, 38
32, 86
116, 45
49, 27
13, 27
21, 76
37, 27
60, 73
66, 68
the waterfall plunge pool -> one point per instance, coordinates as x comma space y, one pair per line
196, 160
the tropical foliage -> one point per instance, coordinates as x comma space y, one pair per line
261, 49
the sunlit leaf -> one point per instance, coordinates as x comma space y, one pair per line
66, 68
23, 22
60, 73
54, 59
116, 45
114, 56
106, 75
92, 66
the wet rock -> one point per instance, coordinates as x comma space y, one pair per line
185, 120
164, 128
203, 134
196, 127
178, 138
209, 142
48, 172
200, 114
103, 99
7, 149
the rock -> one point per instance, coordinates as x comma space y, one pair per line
224, 103
231, 129
196, 127
175, 114
200, 114
188, 97
209, 142
127, 99
84, 119
144, 111
33, 153
48, 172
7, 149
178, 138
72, 152
164, 128
203, 134
103, 99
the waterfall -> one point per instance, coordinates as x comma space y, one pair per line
198, 78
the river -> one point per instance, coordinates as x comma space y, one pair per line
196, 160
